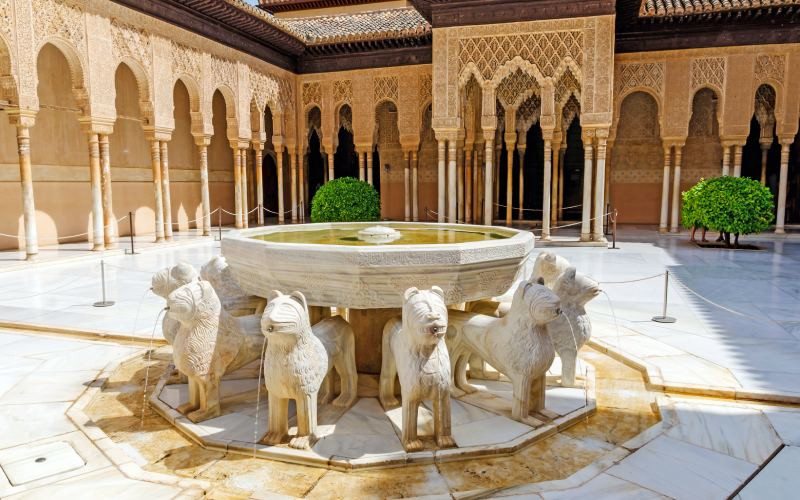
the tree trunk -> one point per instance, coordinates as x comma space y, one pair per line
727, 239
736, 240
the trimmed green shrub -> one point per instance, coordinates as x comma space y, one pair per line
734, 205
690, 216
346, 200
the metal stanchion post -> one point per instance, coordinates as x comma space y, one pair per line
614, 230
607, 224
219, 224
130, 226
104, 302
664, 318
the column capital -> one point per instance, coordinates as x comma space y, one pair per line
786, 140
159, 134
588, 135
240, 144
202, 140
96, 125
258, 145
21, 118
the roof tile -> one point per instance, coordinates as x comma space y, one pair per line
677, 8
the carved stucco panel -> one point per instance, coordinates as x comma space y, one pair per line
708, 71
6, 20
770, 67
342, 91
312, 94
127, 40
640, 75
385, 87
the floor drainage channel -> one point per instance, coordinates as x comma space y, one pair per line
25, 464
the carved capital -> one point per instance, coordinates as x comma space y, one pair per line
202, 140
21, 118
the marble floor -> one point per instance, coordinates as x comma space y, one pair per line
736, 338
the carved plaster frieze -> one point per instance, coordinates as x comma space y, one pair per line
770, 67
312, 93
129, 41
640, 75
342, 91
708, 71
385, 87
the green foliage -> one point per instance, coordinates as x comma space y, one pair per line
690, 216
734, 205
346, 200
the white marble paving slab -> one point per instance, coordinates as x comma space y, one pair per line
778, 480
497, 429
683, 471
25, 423
604, 487
44, 387
564, 400
786, 423
25, 464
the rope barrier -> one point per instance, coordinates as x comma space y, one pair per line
534, 209
630, 281
72, 235
574, 223
195, 220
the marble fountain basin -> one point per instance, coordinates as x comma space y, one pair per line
332, 266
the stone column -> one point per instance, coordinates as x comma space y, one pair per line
361, 155
23, 124
109, 230
293, 183
442, 180
560, 203
301, 179
460, 181
155, 162
202, 147
245, 207
237, 186
468, 184
510, 143
600, 186
726, 158
546, 189
97, 196
587, 188
415, 186
676, 190
165, 192
452, 195
780, 219
369, 166
330, 167
521, 208
258, 161
555, 183
737, 160
662, 225
407, 185
488, 189
764, 152
498, 154
279, 168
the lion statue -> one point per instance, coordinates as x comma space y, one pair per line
549, 267
209, 342
217, 272
415, 351
166, 281
297, 362
517, 345
570, 331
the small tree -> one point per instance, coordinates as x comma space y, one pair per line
346, 200
737, 205
690, 215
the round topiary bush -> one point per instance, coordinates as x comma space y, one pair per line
734, 205
346, 200
690, 215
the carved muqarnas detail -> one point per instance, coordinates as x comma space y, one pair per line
385, 87
515, 87
130, 41
708, 71
58, 18
185, 60
641, 75
312, 93
545, 50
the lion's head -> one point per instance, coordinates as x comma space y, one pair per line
194, 303
576, 287
169, 279
220, 275
425, 315
537, 300
548, 266
285, 315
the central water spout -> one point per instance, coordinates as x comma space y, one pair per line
379, 235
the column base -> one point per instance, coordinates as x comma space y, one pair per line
544, 237
31, 257
586, 237
159, 239
600, 238
98, 247
662, 230
112, 245
780, 230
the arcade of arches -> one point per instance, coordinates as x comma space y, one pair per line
110, 111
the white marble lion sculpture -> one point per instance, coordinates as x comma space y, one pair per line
235, 300
208, 343
517, 345
570, 331
298, 360
166, 281
415, 351
549, 267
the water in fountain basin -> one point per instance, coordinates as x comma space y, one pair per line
410, 235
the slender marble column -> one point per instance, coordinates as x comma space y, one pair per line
361, 155
588, 158
780, 220
301, 179
452, 195
245, 207
165, 191
546, 189
488, 189
468, 185
460, 181
258, 161
97, 197
676, 190
205, 197
554, 191
415, 186
726, 159
509, 178
109, 230
521, 208
599, 190
28, 206
369, 166
279, 167
561, 152
764, 152
737, 160
330, 167
407, 185
293, 182
237, 187
155, 162
442, 180
662, 225
498, 154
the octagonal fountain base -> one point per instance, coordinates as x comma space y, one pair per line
365, 436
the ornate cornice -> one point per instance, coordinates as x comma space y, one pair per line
447, 13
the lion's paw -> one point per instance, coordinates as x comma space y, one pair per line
301, 442
445, 442
414, 445
272, 438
